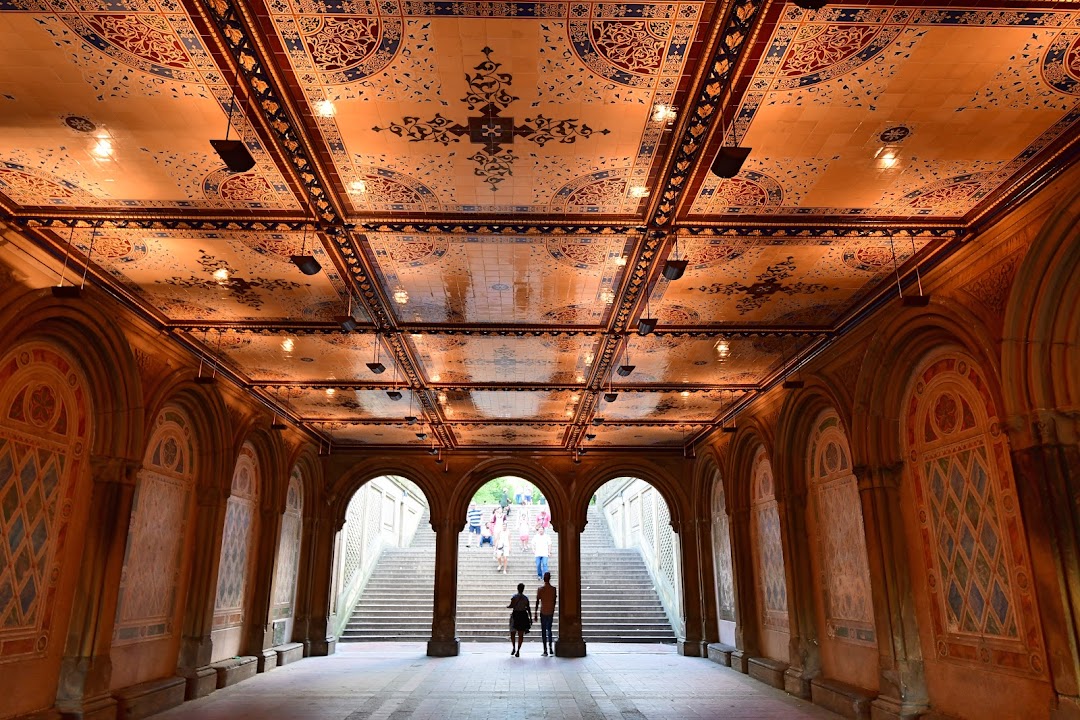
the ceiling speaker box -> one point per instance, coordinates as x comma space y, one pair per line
278, 426
915, 300
233, 153
729, 429
67, 292
347, 322
729, 160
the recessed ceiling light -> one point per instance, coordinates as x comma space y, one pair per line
639, 191
288, 344
569, 413
401, 296
358, 186
685, 393
588, 359
325, 108
607, 296
723, 349
442, 397
102, 148
579, 378
330, 392
221, 274
664, 113
436, 378
620, 261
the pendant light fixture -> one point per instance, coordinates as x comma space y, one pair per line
789, 383
307, 263
646, 325
376, 367
346, 321
233, 153
626, 368
729, 160
674, 269
919, 300
411, 419
394, 393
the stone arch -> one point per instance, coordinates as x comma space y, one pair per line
153, 582
46, 435
87, 333
209, 418
476, 476
769, 562
287, 558
666, 485
897, 347
723, 557
362, 473
971, 567
751, 434
1041, 357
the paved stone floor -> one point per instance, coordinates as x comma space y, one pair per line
395, 681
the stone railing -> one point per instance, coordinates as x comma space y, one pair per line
385, 512
637, 517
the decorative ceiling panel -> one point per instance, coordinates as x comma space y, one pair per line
467, 359
301, 358
643, 435
524, 107
228, 275
500, 279
898, 111
346, 403
507, 404
113, 104
517, 434
793, 281
671, 360
398, 434
663, 406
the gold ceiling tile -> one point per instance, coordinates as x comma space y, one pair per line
340, 357
493, 359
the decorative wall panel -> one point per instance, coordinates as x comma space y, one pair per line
983, 607
238, 541
721, 529
44, 439
768, 550
157, 535
288, 553
841, 546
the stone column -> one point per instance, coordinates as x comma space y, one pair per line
693, 643
86, 668
1046, 463
747, 643
804, 652
570, 642
444, 641
259, 633
902, 689
317, 632
196, 647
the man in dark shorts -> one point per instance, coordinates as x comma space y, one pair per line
545, 608
474, 523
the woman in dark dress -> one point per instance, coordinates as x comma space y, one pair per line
520, 619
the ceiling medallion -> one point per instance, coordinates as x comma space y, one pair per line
894, 134
489, 96
80, 124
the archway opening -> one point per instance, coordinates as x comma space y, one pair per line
508, 527
630, 577
384, 564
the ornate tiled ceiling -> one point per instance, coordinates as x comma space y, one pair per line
492, 194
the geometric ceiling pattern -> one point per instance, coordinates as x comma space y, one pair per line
492, 191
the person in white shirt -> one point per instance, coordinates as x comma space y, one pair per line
541, 547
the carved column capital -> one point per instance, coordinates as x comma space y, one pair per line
114, 470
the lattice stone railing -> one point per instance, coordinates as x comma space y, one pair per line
638, 517
385, 512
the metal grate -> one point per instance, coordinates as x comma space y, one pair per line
666, 553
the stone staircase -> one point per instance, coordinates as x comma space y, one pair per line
619, 603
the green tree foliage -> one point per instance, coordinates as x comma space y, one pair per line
492, 490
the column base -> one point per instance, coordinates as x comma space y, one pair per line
267, 660
797, 683
693, 648
887, 708
720, 653
1068, 708
320, 647
740, 661
100, 708
444, 648
200, 682
570, 648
